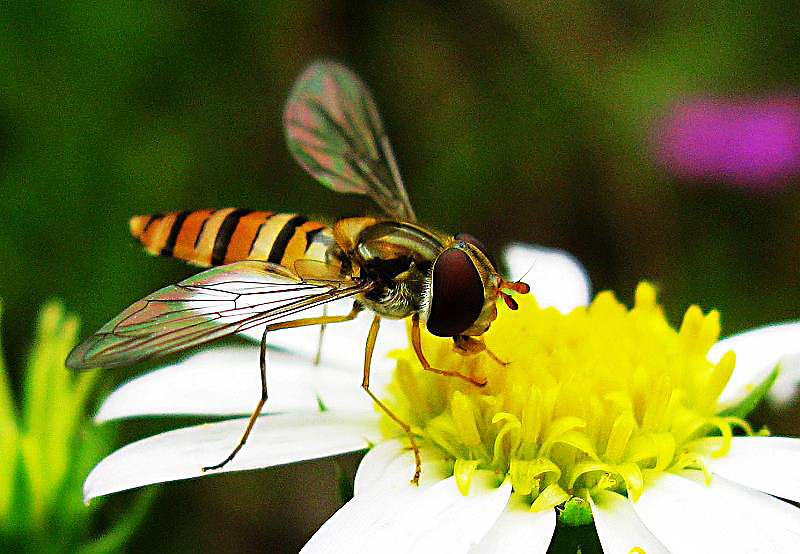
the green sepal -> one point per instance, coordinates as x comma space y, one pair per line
321, 404
575, 512
749, 402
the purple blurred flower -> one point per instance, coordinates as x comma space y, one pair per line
753, 143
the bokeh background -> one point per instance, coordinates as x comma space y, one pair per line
652, 140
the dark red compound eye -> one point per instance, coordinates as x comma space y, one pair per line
466, 237
456, 294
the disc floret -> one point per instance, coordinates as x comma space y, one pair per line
604, 397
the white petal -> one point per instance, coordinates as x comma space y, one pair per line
556, 277
342, 343
275, 440
686, 516
785, 388
436, 518
768, 464
449, 521
758, 351
780, 519
364, 517
226, 381
381, 462
378, 497
519, 530
619, 528
391, 464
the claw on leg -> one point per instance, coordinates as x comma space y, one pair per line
469, 346
416, 342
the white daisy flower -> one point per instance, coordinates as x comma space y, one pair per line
602, 415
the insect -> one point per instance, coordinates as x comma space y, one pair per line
268, 268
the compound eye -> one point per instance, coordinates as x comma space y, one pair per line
457, 294
469, 239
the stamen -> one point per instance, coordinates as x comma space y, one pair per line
586, 401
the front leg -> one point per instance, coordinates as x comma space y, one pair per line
416, 342
470, 346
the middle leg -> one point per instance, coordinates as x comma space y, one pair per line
371, 338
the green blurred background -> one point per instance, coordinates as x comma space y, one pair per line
515, 120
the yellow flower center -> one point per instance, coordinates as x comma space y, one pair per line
599, 398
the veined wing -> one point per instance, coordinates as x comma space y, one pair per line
204, 307
334, 131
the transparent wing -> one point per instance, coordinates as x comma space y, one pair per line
207, 306
334, 131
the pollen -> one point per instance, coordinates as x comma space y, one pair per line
601, 398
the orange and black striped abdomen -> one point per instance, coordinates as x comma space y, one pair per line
216, 237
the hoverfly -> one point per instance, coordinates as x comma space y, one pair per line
270, 267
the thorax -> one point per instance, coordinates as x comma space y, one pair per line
396, 256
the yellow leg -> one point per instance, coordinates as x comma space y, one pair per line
416, 342
371, 337
469, 346
324, 320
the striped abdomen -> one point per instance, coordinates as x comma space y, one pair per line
216, 237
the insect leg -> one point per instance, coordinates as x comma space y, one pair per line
371, 337
318, 356
469, 346
259, 406
416, 342
324, 320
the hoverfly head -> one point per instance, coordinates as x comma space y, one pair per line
462, 289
